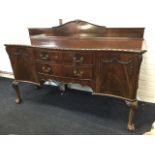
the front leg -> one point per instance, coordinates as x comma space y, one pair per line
16, 87
41, 84
62, 88
38, 87
133, 106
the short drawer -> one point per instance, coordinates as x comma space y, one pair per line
51, 69
46, 55
81, 72
65, 57
77, 58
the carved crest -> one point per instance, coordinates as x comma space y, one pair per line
79, 28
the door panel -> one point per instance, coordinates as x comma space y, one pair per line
118, 74
22, 63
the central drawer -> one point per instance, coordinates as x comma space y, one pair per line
65, 57
47, 55
80, 72
51, 69
77, 58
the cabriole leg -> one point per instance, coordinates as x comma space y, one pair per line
38, 87
133, 106
16, 87
62, 88
41, 84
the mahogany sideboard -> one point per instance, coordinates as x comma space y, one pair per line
106, 59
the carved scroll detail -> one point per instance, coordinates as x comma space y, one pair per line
118, 61
115, 59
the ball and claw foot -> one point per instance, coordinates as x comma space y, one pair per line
18, 101
16, 88
131, 127
62, 88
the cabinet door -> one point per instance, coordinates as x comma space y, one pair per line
118, 74
22, 62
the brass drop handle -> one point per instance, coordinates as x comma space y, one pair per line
44, 56
46, 69
78, 73
76, 60
17, 53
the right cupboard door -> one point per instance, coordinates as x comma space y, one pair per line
117, 73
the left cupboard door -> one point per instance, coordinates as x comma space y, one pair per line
23, 63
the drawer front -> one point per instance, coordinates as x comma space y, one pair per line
78, 58
44, 55
51, 69
81, 72
65, 57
